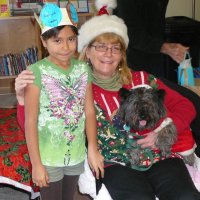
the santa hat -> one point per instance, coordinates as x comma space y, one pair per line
103, 23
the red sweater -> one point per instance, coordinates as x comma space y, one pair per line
179, 108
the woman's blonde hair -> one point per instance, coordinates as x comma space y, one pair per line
124, 71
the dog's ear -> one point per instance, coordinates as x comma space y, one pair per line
161, 94
124, 93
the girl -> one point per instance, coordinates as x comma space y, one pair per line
58, 109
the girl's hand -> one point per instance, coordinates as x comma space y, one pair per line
148, 141
40, 176
96, 162
24, 78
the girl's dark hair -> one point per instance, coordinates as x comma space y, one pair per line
55, 31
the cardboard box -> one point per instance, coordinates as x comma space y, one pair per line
197, 81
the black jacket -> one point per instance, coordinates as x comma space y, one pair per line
145, 20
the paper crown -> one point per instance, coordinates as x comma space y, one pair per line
52, 16
103, 23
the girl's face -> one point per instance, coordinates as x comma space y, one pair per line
62, 47
105, 58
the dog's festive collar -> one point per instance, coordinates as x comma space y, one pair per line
161, 124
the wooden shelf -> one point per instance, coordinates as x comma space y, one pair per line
83, 17
85, 14
8, 100
17, 34
8, 77
16, 17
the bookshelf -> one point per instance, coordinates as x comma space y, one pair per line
83, 17
16, 35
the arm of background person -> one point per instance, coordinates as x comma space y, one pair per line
140, 37
175, 50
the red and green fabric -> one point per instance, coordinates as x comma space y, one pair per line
115, 141
15, 165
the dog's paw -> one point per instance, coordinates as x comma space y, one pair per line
166, 138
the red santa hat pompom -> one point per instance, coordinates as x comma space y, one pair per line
105, 6
103, 23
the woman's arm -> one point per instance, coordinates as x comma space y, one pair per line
39, 174
179, 108
21, 116
23, 79
95, 159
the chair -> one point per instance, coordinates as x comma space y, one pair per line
195, 99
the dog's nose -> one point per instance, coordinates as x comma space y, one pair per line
142, 115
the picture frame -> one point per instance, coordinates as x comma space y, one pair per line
83, 6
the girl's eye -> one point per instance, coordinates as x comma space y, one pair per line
57, 41
72, 39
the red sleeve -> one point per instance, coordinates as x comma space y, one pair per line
20, 116
179, 108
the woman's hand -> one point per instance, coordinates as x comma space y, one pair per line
149, 140
24, 78
40, 176
96, 162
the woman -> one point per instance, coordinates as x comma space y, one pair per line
104, 48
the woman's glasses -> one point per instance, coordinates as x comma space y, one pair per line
104, 48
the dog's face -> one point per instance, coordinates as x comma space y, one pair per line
141, 108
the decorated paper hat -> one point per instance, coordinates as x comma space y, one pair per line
52, 16
103, 23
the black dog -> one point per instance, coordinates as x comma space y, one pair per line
142, 110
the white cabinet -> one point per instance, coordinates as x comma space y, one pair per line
184, 8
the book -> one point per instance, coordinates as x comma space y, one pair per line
13, 64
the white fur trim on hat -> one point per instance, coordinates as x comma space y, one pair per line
111, 4
99, 25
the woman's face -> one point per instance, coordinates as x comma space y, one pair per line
105, 58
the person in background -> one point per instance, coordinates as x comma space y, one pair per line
58, 109
104, 48
146, 27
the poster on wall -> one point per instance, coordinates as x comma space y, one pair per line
25, 7
4, 8
81, 6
